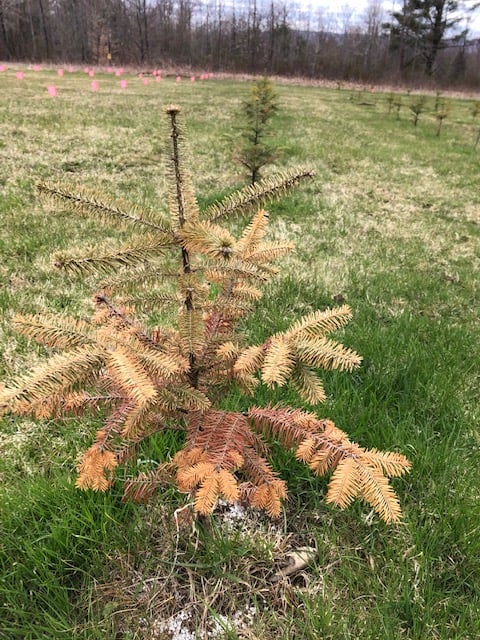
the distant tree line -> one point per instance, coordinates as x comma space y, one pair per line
251, 36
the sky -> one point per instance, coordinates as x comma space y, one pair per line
353, 10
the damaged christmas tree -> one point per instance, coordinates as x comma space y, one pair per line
148, 379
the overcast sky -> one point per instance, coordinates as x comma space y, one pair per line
353, 10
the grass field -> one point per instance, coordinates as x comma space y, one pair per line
391, 226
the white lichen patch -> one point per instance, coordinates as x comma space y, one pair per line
181, 626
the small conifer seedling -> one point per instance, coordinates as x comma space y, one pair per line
398, 106
145, 379
441, 112
475, 109
390, 101
417, 107
254, 151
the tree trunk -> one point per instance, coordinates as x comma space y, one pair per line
44, 29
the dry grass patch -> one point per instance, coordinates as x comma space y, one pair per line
222, 577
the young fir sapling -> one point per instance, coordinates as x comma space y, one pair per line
254, 152
398, 106
150, 379
417, 107
390, 101
475, 109
441, 112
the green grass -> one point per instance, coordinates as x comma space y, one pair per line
390, 225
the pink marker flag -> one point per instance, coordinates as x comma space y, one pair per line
70, 69
118, 73
158, 78
123, 84
146, 81
20, 75
94, 85
178, 79
91, 73
86, 69
109, 70
3, 67
52, 90
37, 67
60, 72
192, 78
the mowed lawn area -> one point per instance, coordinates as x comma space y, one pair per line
390, 226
